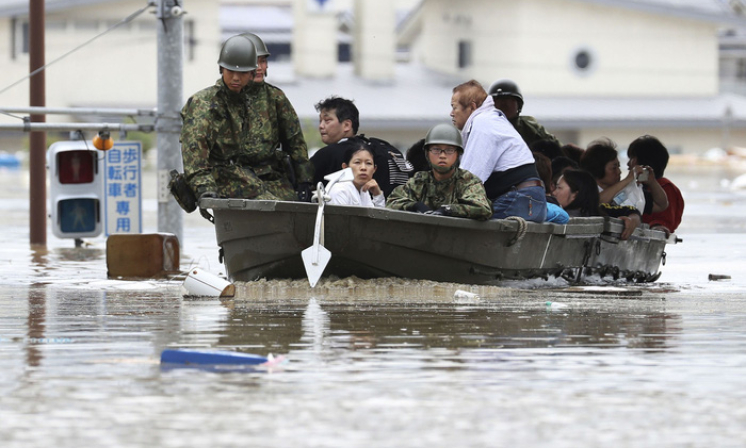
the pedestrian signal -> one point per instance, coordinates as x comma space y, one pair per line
76, 190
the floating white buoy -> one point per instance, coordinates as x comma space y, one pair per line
201, 283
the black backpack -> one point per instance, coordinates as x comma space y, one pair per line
393, 168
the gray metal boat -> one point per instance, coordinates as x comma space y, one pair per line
264, 239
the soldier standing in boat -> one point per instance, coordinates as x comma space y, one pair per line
225, 152
496, 154
446, 189
508, 98
276, 129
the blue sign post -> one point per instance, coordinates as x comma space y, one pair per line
123, 188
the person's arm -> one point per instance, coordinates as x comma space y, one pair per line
660, 199
291, 137
405, 197
196, 141
631, 222
376, 194
472, 201
480, 154
629, 215
341, 195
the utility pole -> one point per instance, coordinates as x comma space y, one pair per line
38, 139
168, 123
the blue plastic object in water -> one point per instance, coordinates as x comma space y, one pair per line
209, 357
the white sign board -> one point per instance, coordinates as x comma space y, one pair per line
123, 188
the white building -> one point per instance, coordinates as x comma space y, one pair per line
587, 68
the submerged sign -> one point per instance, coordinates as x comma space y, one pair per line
123, 188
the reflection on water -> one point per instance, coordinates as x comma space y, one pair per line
507, 324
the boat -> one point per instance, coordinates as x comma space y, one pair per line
264, 240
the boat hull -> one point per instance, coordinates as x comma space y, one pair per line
264, 239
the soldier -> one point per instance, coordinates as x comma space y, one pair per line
279, 146
445, 189
507, 97
215, 137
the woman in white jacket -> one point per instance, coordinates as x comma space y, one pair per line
363, 191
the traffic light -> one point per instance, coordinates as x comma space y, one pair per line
76, 189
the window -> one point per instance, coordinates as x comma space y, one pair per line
582, 61
19, 37
464, 54
190, 42
741, 69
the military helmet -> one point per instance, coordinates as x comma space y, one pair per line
261, 48
444, 134
238, 54
506, 87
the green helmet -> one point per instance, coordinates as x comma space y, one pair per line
261, 48
238, 54
445, 134
506, 87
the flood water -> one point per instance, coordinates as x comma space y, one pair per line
381, 363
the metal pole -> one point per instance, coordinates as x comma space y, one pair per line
43, 127
168, 122
80, 111
37, 140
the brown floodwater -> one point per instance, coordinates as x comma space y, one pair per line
385, 362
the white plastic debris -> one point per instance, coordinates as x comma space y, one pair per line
556, 306
201, 283
461, 295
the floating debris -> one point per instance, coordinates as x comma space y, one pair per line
556, 306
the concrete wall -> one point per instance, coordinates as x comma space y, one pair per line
535, 42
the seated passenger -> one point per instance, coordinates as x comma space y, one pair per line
555, 213
445, 189
577, 193
339, 120
496, 154
417, 157
600, 159
363, 191
649, 151
559, 165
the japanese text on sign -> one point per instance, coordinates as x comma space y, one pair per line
122, 176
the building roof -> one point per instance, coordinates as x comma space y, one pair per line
719, 11
419, 97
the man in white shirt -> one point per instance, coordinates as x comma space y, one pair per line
496, 154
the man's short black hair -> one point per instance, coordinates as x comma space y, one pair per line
651, 152
343, 108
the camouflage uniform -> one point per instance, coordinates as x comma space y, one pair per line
464, 193
531, 130
274, 124
227, 149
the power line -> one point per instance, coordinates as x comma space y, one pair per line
116, 25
